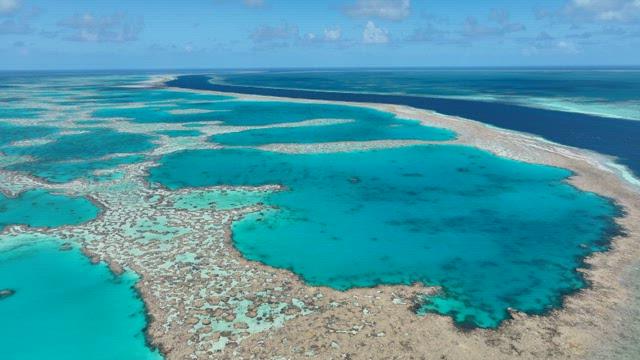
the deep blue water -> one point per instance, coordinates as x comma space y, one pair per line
569, 89
615, 137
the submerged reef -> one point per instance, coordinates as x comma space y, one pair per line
269, 227
5, 293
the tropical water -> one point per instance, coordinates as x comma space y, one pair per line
574, 90
60, 305
363, 127
605, 131
65, 171
73, 156
40, 208
10, 133
89, 143
63, 307
179, 133
341, 123
220, 200
493, 233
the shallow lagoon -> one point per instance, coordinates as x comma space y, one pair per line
65, 171
40, 208
179, 133
494, 233
245, 113
363, 128
70, 157
10, 133
218, 199
90, 144
66, 308
19, 113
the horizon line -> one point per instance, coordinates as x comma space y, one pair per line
434, 67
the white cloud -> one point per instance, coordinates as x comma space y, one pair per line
267, 33
374, 35
431, 33
113, 28
474, 29
332, 34
384, 9
285, 35
546, 43
566, 47
604, 10
8, 6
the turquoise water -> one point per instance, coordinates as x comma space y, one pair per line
40, 208
218, 199
65, 171
363, 128
75, 156
66, 308
119, 95
179, 133
245, 113
155, 114
87, 145
494, 233
158, 105
10, 133
19, 113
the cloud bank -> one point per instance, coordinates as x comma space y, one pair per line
384, 9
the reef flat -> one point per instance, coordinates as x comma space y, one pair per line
205, 300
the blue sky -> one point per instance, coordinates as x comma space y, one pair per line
114, 34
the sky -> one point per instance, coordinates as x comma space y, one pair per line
136, 34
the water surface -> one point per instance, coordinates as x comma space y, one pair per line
575, 90
71, 157
66, 308
494, 233
614, 137
40, 208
